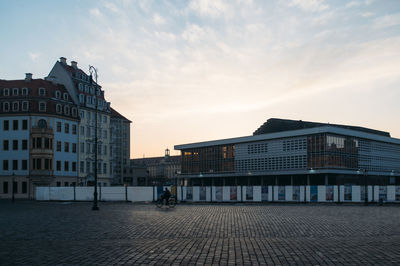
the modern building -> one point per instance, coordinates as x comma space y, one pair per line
159, 170
38, 136
120, 147
91, 101
288, 152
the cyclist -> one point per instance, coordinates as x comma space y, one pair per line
166, 195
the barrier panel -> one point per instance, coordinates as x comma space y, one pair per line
330, 193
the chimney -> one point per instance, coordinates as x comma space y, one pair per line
63, 60
74, 64
28, 77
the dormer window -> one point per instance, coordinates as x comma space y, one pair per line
65, 96
81, 98
42, 107
88, 99
80, 86
92, 90
66, 110
58, 108
25, 106
15, 92
86, 88
42, 92
98, 92
24, 91
6, 92
74, 112
6, 107
15, 106
82, 114
94, 100
58, 94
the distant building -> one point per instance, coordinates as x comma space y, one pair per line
159, 170
38, 136
288, 152
120, 147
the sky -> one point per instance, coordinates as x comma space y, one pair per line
198, 70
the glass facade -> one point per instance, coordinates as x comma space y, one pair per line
332, 151
214, 159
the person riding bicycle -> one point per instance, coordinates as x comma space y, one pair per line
166, 195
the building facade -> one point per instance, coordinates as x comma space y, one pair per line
91, 101
120, 147
38, 136
287, 152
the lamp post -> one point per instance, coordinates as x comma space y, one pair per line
95, 207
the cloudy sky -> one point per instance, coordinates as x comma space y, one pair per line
188, 71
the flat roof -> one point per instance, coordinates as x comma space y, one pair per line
288, 134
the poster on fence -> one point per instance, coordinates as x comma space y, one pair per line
203, 191
296, 193
383, 193
249, 193
218, 193
264, 193
347, 192
313, 193
362, 193
329, 193
398, 193
233, 193
160, 190
281, 193
189, 193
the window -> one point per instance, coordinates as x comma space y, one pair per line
46, 143
6, 106
82, 114
86, 88
58, 126
105, 119
87, 167
82, 147
46, 164
105, 134
38, 143
74, 129
42, 92
25, 106
65, 96
58, 184
87, 147
99, 149
66, 166
58, 108
58, 145
105, 149
82, 166
88, 99
65, 184
6, 124
66, 146
15, 144
25, 91
92, 90
73, 166
15, 106
80, 86
5, 187
15, 92
66, 128
58, 94
82, 130
24, 144
74, 112
15, 164
5, 145
6, 92
5, 165
24, 124
105, 168
15, 187
24, 164
24, 187
73, 147
15, 124
42, 107
37, 163
66, 110
58, 165
87, 131
42, 123
81, 98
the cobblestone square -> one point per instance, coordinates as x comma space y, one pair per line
53, 233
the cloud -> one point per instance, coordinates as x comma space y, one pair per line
309, 5
352, 4
210, 8
158, 20
95, 12
194, 33
367, 14
387, 21
34, 56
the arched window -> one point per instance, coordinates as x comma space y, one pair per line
58, 108
58, 94
66, 96
42, 123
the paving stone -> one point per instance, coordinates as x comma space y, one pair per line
49, 233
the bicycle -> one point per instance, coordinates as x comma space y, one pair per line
163, 202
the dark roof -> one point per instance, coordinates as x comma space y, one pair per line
278, 125
114, 113
157, 160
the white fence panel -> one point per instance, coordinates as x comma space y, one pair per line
42, 193
391, 193
85, 193
112, 193
61, 193
257, 193
321, 194
140, 194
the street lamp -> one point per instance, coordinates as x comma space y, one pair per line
364, 172
93, 70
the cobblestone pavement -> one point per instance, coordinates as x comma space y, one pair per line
50, 233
